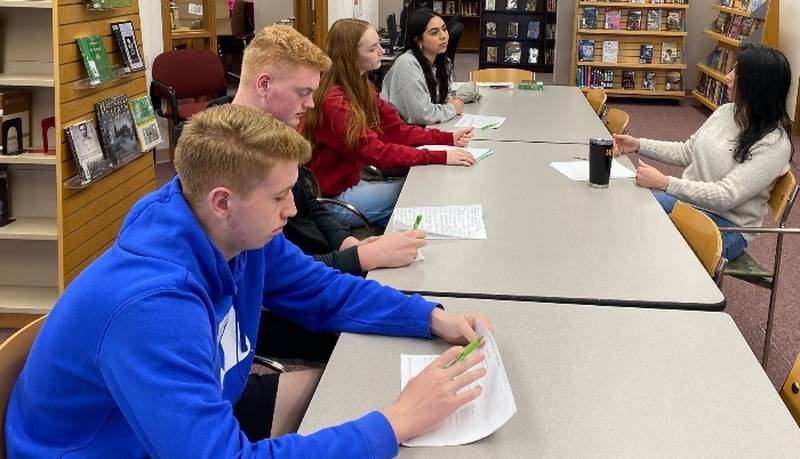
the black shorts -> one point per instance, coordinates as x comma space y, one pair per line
256, 407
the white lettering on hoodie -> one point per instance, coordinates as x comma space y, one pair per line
228, 338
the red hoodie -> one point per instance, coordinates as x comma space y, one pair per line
337, 167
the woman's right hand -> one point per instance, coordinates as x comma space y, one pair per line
459, 157
625, 144
457, 103
430, 397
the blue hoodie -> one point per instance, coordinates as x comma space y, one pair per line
149, 347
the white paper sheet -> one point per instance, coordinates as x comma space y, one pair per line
578, 171
477, 153
480, 121
496, 84
443, 222
477, 419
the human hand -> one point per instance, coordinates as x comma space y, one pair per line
649, 177
457, 103
391, 250
433, 394
459, 157
456, 328
624, 144
462, 136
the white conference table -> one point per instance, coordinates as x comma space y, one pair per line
589, 381
551, 239
557, 114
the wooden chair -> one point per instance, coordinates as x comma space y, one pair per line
744, 267
616, 121
13, 353
500, 75
790, 393
597, 99
702, 235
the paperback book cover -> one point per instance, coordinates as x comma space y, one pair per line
491, 54
721, 23
513, 29
747, 27
628, 79
98, 68
649, 81
589, 18
513, 53
96, 5
491, 29
534, 28
735, 27
533, 55
670, 53
634, 20
511, 4
654, 20
146, 125
117, 129
586, 50
646, 54
82, 138
673, 81
674, 20
610, 51
490, 5
128, 46
612, 18
531, 5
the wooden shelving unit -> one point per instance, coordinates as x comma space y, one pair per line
470, 17
711, 88
200, 32
596, 72
57, 232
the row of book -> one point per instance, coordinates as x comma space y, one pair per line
677, 2
670, 53
613, 19
734, 26
744, 5
512, 5
533, 31
722, 58
127, 128
603, 78
95, 58
449, 7
94, 5
513, 54
712, 89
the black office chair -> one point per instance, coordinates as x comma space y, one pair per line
456, 29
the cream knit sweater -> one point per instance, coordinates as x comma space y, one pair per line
713, 180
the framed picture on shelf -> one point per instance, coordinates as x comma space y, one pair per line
513, 29
489, 5
531, 5
491, 30
586, 51
533, 55
491, 54
669, 53
513, 53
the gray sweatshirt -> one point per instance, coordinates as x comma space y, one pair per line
713, 180
404, 87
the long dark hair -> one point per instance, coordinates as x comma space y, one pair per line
762, 83
438, 86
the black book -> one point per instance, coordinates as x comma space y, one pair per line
646, 54
128, 48
634, 20
628, 79
117, 129
589, 18
86, 150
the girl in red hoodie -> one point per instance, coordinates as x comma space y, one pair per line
351, 126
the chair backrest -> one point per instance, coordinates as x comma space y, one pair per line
790, 393
500, 75
702, 235
456, 29
782, 197
616, 121
191, 72
597, 99
391, 30
13, 353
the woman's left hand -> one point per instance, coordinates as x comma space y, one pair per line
649, 177
462, 136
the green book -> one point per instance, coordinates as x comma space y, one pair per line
93, 5
121, 3
98, 68
145, 119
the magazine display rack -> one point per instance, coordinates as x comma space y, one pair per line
57, 231
470, 12
630, 48
519, 34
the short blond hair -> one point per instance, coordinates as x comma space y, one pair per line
278, 47
233, 146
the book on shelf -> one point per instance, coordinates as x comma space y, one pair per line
489, 5
95, 59
635, 20
98, 5
747, 27
513, 53
513, 29
636, 1
612, 18
128, 48
646, 54
534, 29
438, 6
722, 59
121, 3
85, 146
550, 30
735, 27
511, 5
649, 81
610, 51
607, 79
670, 53
15, 121
533, 55
531, 5
117, 129
146, 124
491, 54
654, 20
450, 7
548, 56
628, 79
726, 3
552, 5
586, 51
491, 29
721, 23
673, 81
589, 18
674, 20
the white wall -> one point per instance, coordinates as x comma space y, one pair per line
268, 12
338, 9
152, 37
790, 45
388, 7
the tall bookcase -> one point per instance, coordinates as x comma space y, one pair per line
518, 34
738, 22
661, 78
470, 13
59, 231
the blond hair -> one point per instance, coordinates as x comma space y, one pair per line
233, 146
277, 48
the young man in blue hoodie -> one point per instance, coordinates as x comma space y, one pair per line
147, 349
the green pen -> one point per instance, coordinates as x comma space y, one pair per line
467, 350
489, 126
417, 221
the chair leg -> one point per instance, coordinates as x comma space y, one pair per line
772, 298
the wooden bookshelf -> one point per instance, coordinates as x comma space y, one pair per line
710, 88
592, 71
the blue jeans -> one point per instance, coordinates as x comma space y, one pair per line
733, 244
375, 200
